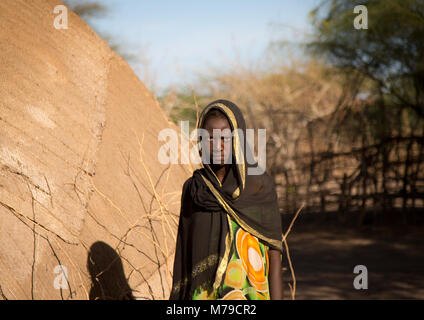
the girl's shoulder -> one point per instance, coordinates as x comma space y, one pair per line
187, 186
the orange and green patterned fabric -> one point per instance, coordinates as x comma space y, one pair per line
246, 277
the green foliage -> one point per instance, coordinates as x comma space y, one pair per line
183, 106
390, 52
89, 10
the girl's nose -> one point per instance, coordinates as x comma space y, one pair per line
218, 145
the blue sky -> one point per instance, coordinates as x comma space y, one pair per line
181, 38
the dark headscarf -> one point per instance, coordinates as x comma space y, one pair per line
204, 235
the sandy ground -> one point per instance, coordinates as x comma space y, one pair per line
324, 258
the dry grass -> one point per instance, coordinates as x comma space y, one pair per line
285, 235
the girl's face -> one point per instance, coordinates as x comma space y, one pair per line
220, 144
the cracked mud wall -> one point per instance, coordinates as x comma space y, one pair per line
78, 163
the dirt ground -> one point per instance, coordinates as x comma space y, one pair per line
324, 256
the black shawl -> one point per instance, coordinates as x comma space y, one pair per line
204, 233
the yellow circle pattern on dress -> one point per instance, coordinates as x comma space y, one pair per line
246, 275
250, 253
234, 295
235, 274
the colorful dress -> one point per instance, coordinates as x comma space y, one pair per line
246, 277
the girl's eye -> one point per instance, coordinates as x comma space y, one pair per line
226, 139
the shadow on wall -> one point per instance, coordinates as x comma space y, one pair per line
107, 274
